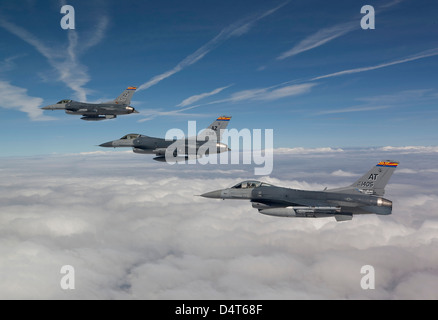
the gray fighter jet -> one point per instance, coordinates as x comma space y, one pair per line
98, 111
365, 196
207, 142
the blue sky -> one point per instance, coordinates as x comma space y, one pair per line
303, 68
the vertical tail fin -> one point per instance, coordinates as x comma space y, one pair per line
218, 126
126, 96
374, 181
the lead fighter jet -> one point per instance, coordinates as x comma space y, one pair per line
207, 142
98, 111
365, 196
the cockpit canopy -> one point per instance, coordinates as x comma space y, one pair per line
250, 185
63, 101
130, 136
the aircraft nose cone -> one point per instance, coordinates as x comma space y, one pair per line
47, 108
106, 144
213, 194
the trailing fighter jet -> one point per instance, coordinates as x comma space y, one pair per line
98, 111
365, 196
207, 142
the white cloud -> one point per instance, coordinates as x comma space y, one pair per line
271, 93
403, 96
327, 34
8, 63
319, 38
150, 114
133, 229
300, 150
341, 173
16, 98
97, 35
287, 91
411, 149
195, 98
64, 59
353, 109
391, 4
415, 171
260, 94
294, 87
418, 56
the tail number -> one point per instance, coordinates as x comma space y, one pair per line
124, 96
365, 184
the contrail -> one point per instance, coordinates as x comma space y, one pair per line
235, 30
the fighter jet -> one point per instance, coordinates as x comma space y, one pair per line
207, 142
365, 196
98, 111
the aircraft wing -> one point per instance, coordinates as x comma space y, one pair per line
283, 204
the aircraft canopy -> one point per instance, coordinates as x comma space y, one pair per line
130, 136
250, 185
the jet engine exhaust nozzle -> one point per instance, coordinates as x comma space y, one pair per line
381, 202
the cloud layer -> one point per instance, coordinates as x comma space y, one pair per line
134, 229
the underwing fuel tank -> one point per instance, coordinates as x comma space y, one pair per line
95, 118
300, 211
141, 151
171, 160
261, 206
